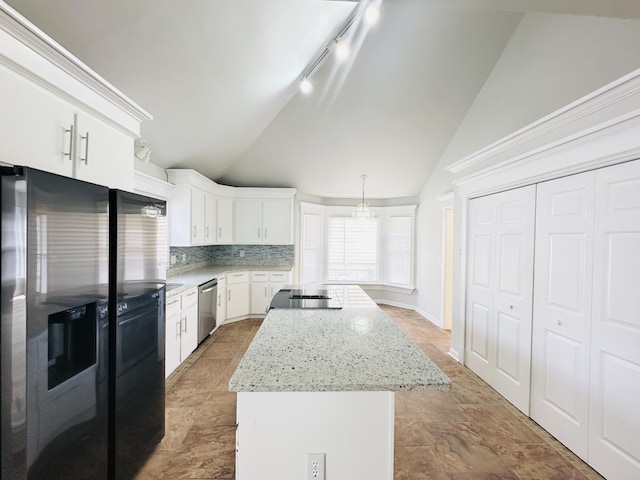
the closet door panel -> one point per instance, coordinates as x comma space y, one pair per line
561, 308
499, 292
480, 355
513, 294
614, 449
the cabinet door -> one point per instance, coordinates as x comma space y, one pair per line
260, 298
210, 217
221, 310
500, 291
189, 331
614, 417
277, 222
197, 216
248, 221
237, 300
104, 155
225, 220
172, 335
562, 313
36, 126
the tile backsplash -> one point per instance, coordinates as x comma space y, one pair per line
190, 258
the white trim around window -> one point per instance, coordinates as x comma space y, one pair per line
395, 249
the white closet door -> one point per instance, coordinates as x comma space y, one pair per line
499, 301
562, 308
513, 301
480, 356
614, 447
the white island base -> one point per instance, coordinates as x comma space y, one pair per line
276, 431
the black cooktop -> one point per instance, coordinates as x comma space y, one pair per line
305, 298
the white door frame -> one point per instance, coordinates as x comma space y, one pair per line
446, 204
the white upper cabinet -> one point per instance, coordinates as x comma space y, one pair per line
210, 219
103, 155
248, 221
225, 221
58, 115
37, 127
265, 216
277, 222
201, 212
198, 214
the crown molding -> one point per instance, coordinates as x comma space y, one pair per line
614, 93
611, 142
21, 29
148, 185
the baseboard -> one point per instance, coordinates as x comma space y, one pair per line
453, 353
409, 307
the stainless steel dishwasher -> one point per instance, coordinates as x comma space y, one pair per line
208, 293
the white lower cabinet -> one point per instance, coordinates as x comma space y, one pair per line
238, 299
172, 335
221, 301
181, 329
264, 286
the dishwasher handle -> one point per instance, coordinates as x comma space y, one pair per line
207, 287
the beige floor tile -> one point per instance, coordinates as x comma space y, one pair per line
467, 433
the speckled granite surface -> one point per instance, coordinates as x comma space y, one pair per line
358, 348
177, 284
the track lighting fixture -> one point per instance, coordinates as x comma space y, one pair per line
367, 9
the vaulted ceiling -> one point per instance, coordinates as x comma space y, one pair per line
221, 80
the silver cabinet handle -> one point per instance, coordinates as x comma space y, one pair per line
219, 232
265, 292
207, 231
178, 328
229, 295
258, 232
219, 299
185, 325
70, 132
195, 231
86, 149
265, 233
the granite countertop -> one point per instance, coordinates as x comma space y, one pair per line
358, 348
180, 283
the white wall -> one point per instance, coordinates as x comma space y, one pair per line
550, 61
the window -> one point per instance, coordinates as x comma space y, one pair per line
311, 248
398, 251
353, 250
338, 249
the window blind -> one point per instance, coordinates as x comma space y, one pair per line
352, 250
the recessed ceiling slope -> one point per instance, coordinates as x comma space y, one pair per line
212, 73
391, 117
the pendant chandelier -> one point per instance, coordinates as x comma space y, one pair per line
362, 211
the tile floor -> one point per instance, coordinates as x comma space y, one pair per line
467, 433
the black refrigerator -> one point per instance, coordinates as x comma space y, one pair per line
82, 328
137, 269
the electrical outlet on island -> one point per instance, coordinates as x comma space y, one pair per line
315, 466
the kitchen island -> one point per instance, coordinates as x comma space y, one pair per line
323, 381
